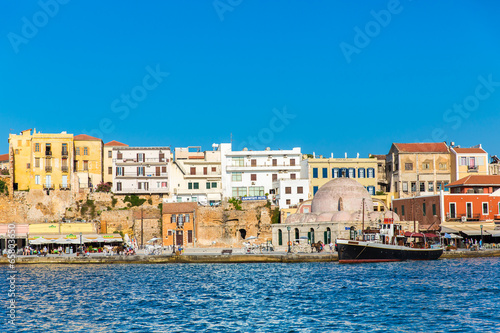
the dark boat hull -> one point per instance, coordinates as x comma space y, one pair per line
354, 252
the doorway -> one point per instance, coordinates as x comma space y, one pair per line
179, 237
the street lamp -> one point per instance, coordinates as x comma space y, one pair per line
288, 228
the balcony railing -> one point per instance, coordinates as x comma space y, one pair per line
64, 187
64, 168
48, 153
150, 190
147, 174
48, 169
145, 160
472, 169
48, 186
464, 217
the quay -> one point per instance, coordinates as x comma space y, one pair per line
211, 257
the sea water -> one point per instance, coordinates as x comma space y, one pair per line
418, 296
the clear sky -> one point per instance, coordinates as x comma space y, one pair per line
328, 76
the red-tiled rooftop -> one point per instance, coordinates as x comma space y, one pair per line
481, 180
4, 157
85, 137
378, 157
115, 143
469, 150
179, 207
426, 147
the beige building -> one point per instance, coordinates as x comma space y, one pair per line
88, 157
415, 169
468, 161
107, 160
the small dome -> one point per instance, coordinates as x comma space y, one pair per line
341, 194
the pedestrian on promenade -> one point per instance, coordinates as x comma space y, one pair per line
331, 247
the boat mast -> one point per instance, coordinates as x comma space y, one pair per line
363, 220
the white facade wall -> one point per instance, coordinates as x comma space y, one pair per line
294, 197
143, 174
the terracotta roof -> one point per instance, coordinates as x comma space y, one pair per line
115, 144
85, 137
179, 207
4, 157
428, 147
481, 180
469, 150
378, 157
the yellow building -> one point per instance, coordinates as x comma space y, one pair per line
88, 161
468, 161
107, 160
41, 161
321, 170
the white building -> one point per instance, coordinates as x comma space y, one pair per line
141, 170
196, 176
252, 173
290, 192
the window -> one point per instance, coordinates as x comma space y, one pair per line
214, 169
37, 147
37, 162
85, 165
315, 189
214, 185
119, 171
439, 186
315, 172
288, 190
140, 157
301, 200
77, 151
238, 161
119, 155
239, 191
292, 162
190, 236
288, 201
396, 210
110, 170
361, 173
119, 186
17, 151
485, 208
453, 210
425, 166
110, 154
300, 190
352, 173
275, 162
255, 191
371, 190
196, 186
236, 177
253, 177
253, 162
173, 218
192, 171
293, 176
405, 187
431, 186
413, 187
325, 173
163, 169
186, 218
275, 177
37, 180
335, 173
190, 186
140, 171
408, 166
207, 185
402, 210
433, 209
463, 160
423, 209
422, 186
371, 173
443, 166
446, 189
205, 170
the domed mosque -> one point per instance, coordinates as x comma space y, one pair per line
336, 208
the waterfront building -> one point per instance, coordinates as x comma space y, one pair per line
141, 170
468, 161
471, 202
88, 160
382, 183
108, 160
289, 193
4, 162
320, 170
41, 161
196, 176
178, 226
415, 169
252, 173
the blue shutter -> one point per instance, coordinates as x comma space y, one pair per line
315, 172
325, 173
315, 189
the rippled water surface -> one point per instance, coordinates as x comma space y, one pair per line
438, 296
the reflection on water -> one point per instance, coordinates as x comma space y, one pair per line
443, 295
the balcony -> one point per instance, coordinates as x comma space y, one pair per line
472, 169
64, 168
64, 153
48, 169
136, 190
134, 174
263, 167
48, 187
48, 153
145, 160
64, 187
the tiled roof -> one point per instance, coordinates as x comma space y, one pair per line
115, 144
469, 150
378, 157
476, 180
85, 137
179, 207
428, 147
4, 157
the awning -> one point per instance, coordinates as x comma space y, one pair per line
474, 232
494, 233
448, 230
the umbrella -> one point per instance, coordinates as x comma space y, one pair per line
153, 240
250, 238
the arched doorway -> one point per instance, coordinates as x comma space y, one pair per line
310, 235
297, 233
280, 237
328, 236
243, 233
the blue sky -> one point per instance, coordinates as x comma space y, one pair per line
329, 76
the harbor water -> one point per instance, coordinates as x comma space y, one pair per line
417, 296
